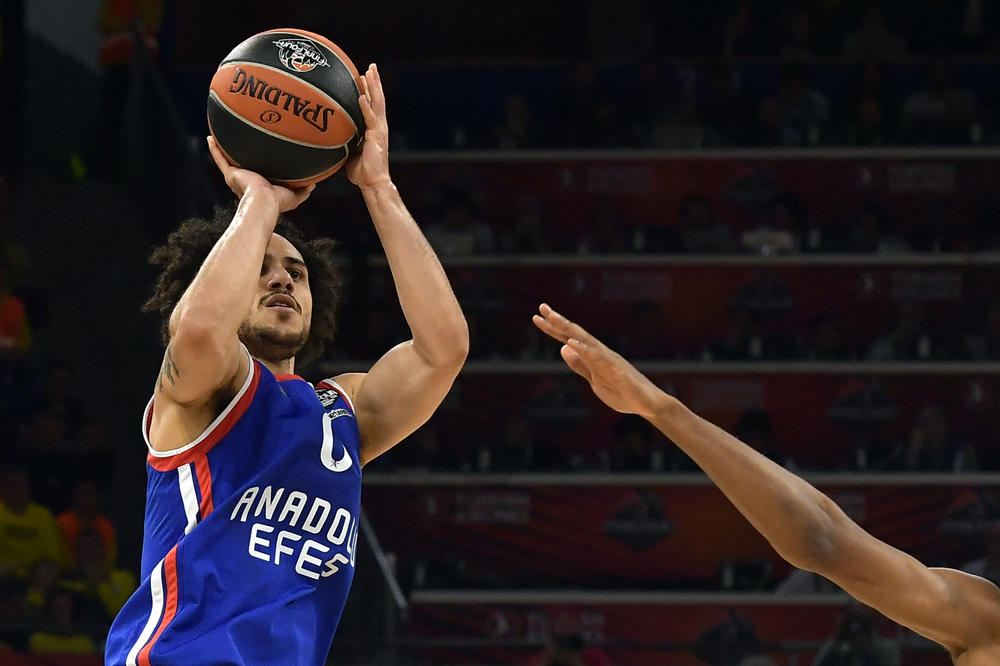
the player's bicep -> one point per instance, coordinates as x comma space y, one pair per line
950, 607
398, 394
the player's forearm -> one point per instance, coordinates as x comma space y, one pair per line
799, 521
440, 333
219, 298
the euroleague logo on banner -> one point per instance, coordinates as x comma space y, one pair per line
300, 54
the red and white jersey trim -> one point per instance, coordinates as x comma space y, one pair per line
332, 383
168, 460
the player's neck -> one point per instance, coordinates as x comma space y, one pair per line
286, 367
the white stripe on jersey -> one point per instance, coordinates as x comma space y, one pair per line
156, 590
186, 482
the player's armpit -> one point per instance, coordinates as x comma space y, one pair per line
396, 396
955, 609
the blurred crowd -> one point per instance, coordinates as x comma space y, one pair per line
60, 583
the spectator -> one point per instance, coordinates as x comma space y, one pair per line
60, 398
681, 130
742, 342
461, 233
985, 346
699, 231
742, 35
44, 579
724, 106
733, 642
62, 636
28, 532
83, 516
633, 449
933, 448
871, 234
101, 589
518, 450
608, 232
53, 461
15, 330
526, 234
653, 98
857, 642
803, 111
566, 646
516, 130
940, 114
795, 33
575, 108
908, 340
826, 340
873, 40
871, 110
783, 231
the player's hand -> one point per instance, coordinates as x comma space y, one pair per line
614, 380
241, 180
370, 166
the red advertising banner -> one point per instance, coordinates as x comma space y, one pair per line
654, 536
936, 196
820, 421
640, 632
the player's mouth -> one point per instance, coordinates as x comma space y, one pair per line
281, 302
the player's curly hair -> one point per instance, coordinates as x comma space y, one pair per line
188, 246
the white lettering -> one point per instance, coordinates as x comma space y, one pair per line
315, 527
331, 564
305, 557
296, 500
280, 548
267, 503
246, 502
257, 541
341, 522
352, 543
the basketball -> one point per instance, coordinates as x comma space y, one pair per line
284, 103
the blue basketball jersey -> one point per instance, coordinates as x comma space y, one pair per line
250, 533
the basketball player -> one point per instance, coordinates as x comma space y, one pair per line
955, 609
254, 475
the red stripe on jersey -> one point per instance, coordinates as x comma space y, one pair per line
204, 474
285, 378
165, 464
328, 383
170, 607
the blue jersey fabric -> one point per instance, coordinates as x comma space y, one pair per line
250, 533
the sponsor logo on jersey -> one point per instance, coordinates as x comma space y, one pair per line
300, 54
327, 396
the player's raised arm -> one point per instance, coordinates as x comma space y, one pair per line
203, 358
959, 611
405, 386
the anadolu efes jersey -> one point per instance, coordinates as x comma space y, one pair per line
250, 533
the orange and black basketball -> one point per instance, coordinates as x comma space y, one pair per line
284, 103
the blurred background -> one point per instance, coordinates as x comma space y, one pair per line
786, 213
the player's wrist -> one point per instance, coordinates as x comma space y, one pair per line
378, 186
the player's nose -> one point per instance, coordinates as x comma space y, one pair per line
280, 279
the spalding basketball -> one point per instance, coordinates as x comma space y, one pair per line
284, 103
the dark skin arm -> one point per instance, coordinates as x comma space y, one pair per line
957, 610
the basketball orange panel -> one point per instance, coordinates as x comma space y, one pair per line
282, 104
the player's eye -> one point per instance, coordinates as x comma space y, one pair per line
295, 274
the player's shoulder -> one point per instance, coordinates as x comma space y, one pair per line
347, 384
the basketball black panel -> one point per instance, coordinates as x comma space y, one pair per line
252, 148
307, 59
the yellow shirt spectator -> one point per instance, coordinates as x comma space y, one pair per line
28, 532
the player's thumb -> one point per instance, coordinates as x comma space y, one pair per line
575, 362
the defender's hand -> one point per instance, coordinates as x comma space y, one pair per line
370, 166
241, 180
614, 380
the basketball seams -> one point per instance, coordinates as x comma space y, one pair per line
332, 102
215, 96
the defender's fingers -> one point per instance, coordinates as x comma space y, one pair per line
366, 111
565, 327
378, 94
545, 326
575, 362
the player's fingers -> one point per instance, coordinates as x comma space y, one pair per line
378, 94
575, 362
217, 156
596, 356
545, 326
366, 111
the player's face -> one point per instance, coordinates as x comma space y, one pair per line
278, 323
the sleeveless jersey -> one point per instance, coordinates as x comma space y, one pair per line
250, 533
